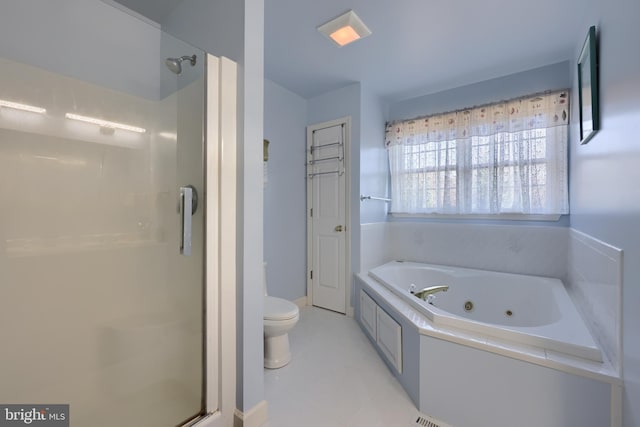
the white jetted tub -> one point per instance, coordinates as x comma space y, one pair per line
526, 309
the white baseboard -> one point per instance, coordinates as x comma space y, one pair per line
616, 405
255, 417
301, 302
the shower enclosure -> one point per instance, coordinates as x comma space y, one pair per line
102, 217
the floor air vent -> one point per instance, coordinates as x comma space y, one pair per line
427, 421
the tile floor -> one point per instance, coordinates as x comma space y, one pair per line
335, 379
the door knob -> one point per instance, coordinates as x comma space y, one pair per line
338, 228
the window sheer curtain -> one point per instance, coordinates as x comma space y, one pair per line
504, 158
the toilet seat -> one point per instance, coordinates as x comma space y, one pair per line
279, 309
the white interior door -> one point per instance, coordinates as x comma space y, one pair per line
326, 177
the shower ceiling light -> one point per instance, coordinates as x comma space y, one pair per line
345, 29
23, 107
104, 123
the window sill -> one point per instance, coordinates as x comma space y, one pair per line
495, 217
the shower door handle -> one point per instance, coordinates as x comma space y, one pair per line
187, 198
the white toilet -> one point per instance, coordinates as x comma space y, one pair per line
280, 316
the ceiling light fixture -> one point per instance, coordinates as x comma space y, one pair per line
23, 107
104, 123
345, 29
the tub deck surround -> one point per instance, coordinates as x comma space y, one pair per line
590, 269
594, 281
601, 371
521, 309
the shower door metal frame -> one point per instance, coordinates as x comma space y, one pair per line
220, 250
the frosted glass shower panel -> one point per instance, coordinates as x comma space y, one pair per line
98, 309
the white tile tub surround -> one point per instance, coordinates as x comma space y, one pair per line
594, 281
531, 250
374, 246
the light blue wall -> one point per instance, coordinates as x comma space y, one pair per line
235, 29
253, 257
285, 193
337, 104
374, 165
285, 225
605, 173
331, 106
550, 77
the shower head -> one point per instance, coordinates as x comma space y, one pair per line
175, 64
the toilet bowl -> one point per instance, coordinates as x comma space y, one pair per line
280, 316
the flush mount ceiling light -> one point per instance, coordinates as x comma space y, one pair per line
345, 29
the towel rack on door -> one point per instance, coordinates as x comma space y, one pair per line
338, 158
311, 175
331, 144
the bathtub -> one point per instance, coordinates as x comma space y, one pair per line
523, 309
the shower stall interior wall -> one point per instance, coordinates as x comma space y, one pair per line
100, 306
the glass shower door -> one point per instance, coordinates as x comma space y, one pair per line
101, 252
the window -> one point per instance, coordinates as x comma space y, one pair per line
504, 158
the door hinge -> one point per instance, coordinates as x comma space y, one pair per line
311, 212
311, 274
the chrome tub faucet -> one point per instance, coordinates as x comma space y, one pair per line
425, 292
